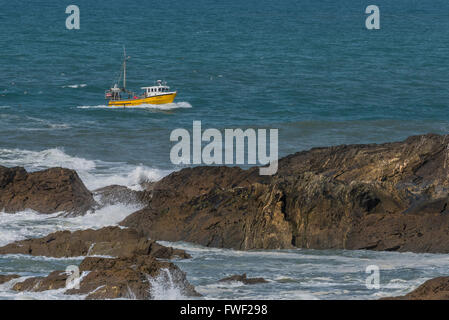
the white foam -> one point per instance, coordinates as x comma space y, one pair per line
38, 160
75, 86
94, 173
164, 288
168, 106
30, 224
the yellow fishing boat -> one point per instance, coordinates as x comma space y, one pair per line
157, 94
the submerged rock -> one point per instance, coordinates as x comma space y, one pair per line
242, 278
434, 289
48, 191
108, 241
391, 196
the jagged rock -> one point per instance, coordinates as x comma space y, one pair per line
7, 278
242, 278
48, 191
111, 278
391, 196
108, 241
55, 280
434, 289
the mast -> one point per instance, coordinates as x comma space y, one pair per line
124, 68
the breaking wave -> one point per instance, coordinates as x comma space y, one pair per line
94, 173
75, 86
163, 287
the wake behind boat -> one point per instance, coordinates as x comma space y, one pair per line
157, 94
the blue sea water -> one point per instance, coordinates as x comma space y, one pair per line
309, 68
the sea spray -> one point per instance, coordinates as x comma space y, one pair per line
162, 287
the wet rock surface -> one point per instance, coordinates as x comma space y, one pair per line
391, 196
244, 279
434, 289
108, 241
133, 277
7, 278
134, 267
48, 191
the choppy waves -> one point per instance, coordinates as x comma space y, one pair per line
306, 274
94, 173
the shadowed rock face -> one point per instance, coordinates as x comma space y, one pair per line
434, 289
48, 191
112, 278
108, 241
390, 196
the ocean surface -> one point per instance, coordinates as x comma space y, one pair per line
309, 68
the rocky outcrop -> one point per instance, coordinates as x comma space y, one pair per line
243, 278
130, 270
108, 241
48, 191
132, 277
434, 289
55, 280
391, 196
7, 278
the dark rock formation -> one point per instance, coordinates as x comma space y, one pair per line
7, 278
46, 191
434, 289
108, 241
242, 278
391, 196
111, 278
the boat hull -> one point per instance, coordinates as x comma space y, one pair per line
159, 99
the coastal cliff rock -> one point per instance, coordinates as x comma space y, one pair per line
390, 196
434, 289
131, 277
108, 241
48, 191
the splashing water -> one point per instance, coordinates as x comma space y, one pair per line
163, 287
167, 106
